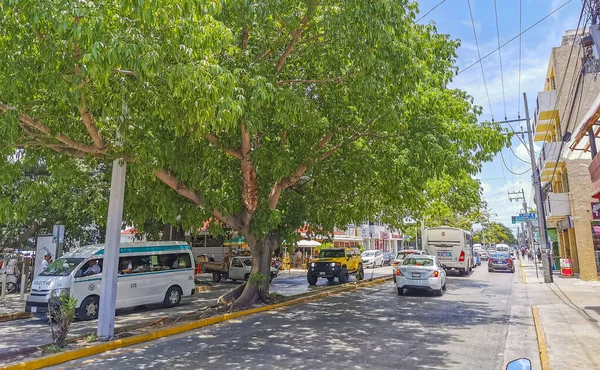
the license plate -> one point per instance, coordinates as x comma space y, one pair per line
321, 273
503, 262
34, 309
416, 274
444, 254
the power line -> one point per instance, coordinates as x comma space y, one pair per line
430, 10
519, 158
480, 62
520, 43
509, 170
511, 40
500, 55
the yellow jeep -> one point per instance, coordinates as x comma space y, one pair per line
336, 262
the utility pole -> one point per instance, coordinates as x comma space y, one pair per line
520, 195
537, 186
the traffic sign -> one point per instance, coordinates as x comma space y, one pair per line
523, 217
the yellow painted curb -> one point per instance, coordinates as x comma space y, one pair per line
523, 275
59, 358
15, 316
539, 332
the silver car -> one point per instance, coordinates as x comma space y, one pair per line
421, 272
400, 257
372, 258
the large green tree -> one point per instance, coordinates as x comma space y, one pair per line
495, 232
258, 114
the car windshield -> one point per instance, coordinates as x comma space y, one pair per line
368, 254
416, 261
247, 261
328, 253
61, 267
500, 255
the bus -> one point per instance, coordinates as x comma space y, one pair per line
452, 246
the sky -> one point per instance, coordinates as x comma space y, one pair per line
452, 17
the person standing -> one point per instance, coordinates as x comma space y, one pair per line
46, 261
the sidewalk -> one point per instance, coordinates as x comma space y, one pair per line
569, 311
12, 304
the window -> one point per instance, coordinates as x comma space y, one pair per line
83, 271
61, 267
414, 261
237, 263
331, 253
348, 254
157, 262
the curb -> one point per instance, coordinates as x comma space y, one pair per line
141, 338
15, 316
523, 274
541, 339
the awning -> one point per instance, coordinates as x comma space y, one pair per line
236, 241
580, 140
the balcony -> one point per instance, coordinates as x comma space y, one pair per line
549, 158
594, 169
546, 115
557, 206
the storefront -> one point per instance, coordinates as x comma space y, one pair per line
596, 241
566, 240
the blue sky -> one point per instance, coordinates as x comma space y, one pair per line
452, 17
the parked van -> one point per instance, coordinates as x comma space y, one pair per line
453, 247
149, 272
503, 248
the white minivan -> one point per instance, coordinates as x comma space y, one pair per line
149, 272
453, 247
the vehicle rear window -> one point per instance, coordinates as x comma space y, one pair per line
500, 255
413, 261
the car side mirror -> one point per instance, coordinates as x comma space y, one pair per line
520, 364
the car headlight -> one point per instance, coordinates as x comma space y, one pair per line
312, 264
59, 292
332, 264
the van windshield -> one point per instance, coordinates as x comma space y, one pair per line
61, 267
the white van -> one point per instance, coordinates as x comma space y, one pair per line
503, 248
453, 247
149, 272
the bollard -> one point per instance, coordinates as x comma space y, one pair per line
3, 287
23, 282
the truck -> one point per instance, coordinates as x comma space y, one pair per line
452, 246
234, 268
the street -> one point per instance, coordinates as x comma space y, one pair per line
473, 326
19, 331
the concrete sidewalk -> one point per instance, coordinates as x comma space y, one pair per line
569, 312
12, 303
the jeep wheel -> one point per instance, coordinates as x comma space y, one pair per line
360, 274
331, 278
400, 291
312, 280
343, 275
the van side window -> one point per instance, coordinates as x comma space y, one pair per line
237, 263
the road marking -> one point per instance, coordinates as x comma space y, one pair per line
539, 331
523, 274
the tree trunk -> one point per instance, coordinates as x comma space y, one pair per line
256, 289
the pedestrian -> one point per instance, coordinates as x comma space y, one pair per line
46, 261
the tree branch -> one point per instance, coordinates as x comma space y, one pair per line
215, 141
338, 79
244, 42
90, 126
249, 178
295, 36
171, 181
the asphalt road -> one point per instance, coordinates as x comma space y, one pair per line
18, 334
372, 328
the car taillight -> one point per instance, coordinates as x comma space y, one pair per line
435, 274
490, 261
394, 264
462, 257
398, 273
510, 261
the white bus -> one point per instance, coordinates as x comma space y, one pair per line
149, 272
453, 247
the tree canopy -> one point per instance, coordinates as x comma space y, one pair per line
495, 232
261, 115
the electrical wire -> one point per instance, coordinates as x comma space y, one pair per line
430, 10
480, 62
514, 38
519, 158
500, 56
509, 170
520, 43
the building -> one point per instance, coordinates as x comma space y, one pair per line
570, 89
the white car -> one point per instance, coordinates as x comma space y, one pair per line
421, 272
400, 257
372, 258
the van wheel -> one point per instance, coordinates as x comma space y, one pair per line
216, 277
331, 278
173, 296
89, 308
